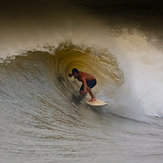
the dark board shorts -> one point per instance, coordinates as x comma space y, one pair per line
90, 84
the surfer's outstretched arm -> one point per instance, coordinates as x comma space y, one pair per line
70, 75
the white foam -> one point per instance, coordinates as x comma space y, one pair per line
142, 64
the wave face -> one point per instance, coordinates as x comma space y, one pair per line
42, 116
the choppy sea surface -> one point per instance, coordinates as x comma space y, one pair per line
42, 117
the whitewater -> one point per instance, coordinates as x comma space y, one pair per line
43, 118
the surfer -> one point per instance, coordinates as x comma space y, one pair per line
88, 81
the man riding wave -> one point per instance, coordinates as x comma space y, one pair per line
88, 81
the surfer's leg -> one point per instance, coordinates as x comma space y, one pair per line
91, 94
91, 84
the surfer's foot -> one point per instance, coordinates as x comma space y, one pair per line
92, 99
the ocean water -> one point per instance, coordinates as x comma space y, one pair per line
42, 117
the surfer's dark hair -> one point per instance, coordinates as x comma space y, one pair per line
75, 70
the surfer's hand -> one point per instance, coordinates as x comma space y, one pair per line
70, 75
85, 91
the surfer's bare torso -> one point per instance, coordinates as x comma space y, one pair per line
84, 76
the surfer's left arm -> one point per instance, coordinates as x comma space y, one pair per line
84, 84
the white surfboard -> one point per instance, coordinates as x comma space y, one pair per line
94, 103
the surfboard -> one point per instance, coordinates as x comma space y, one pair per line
98, 102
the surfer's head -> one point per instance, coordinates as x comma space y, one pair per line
75, 72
